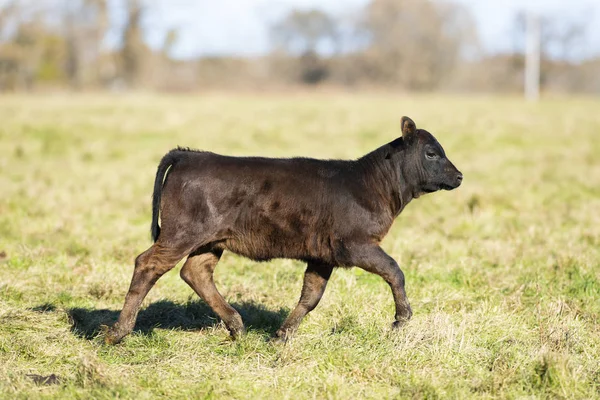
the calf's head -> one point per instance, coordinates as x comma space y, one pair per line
425, 164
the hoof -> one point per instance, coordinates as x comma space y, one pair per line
279, 339
399, 324
402, 317
111, 336
282, 337
237, 333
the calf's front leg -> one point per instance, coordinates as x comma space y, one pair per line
315, 281
373, 259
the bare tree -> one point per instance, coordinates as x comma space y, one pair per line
302, 32
134, 48
170, 41
563, 37
562, 47
73, 54
98, 28
24, 49
302, 35
417, 43
85, 25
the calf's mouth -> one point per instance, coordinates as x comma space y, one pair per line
445, 186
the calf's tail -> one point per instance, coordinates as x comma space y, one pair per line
167, 161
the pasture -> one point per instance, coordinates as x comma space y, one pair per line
503, 274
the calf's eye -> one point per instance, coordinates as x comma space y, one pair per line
430, 155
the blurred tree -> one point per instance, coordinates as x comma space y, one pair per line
73, 53
563, 37
85, 23
170, 41
26, 49
302, 35
417, 43
563, 46
134, 49
51, 65
98, 24
9, 55
301, 32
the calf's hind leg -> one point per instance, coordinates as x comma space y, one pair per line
315, 281
198, 273
149, 267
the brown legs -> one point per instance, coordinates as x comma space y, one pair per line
149, 267
370, 258
373, 259
198, 273
315, 281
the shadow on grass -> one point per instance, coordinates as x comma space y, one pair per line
165, 314
44, 308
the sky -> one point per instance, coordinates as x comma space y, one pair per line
240, 27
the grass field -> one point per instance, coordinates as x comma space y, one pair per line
503, 274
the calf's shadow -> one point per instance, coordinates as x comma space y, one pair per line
165, 314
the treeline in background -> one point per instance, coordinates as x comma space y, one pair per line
413, 45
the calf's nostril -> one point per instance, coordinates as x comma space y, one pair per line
459, 177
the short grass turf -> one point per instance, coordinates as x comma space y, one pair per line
503, 273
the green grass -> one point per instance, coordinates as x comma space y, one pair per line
503, 274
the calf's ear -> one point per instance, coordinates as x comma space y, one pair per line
408, 127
